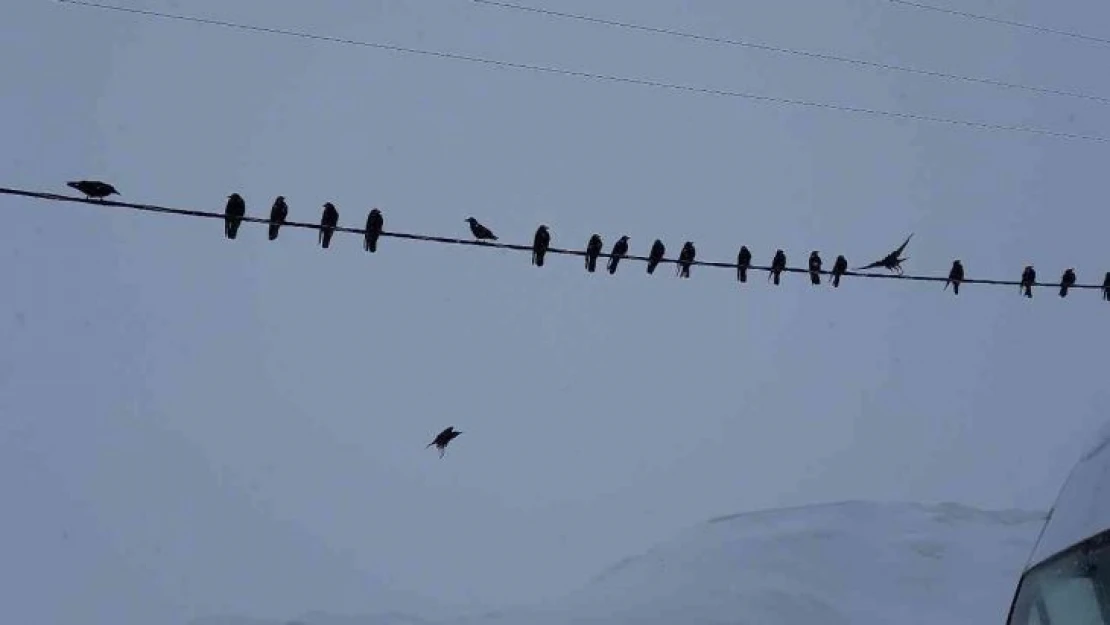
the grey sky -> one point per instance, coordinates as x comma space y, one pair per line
197, 425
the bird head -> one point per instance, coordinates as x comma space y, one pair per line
374, 211
280, 198
624, 238
470, 220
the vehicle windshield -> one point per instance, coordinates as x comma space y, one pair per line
1071, 588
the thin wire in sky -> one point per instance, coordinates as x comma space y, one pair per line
1004, 22
793, 51
980, 125
427, 238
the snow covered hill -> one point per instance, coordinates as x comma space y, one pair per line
851, 562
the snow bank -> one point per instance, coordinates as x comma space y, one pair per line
853, 562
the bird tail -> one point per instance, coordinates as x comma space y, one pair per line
815, 278
274, 231
836, 281
776, 278
651, 266
591, 263
1063, 291
613, 265
742, 273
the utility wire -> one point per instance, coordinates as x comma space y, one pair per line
792, 51
603, 77
1004, 22
152, 208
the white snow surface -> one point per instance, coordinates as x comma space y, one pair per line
851, 562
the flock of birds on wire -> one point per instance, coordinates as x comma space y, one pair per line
236, 210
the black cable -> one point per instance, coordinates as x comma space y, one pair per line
1004, 22
152, 208
604, 77
793, 51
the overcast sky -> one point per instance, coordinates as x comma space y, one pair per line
192, 425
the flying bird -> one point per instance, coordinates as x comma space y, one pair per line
814, 268
593, 248
278, 213
839, 267
743, 261
655, 256
93, 189
328, 221
955, 277
374, 224
1067, 281
685, 259
444, 437
778, 265
891, 261
1028, 279
540, 245
234, 212
620, 248
479, 231
1106, 287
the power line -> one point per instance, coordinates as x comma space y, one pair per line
792, 51
999, 20
603, 77
165, 210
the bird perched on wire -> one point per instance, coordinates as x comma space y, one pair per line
685, 259
374, 224
479, 231
1067, 281
278, 213
1106, 287
93, 189
593, 248
540, 245
620, 248
1028, 279
234, 212
328, 221
743, 261
778, 265
655, 256
443, 438
891, 261
814, 268
839, 267
955, 277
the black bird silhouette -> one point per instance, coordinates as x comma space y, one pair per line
778, 264
328, 221
93, 188
593, 248
234, 212
374, 224
955, 277
743, 261
540, 245
278, 212
655, 256
1106, 287
685, 258
620, 248
1028, 279
891, 261
839, 267
814, 267
444, 437
479, 231
1067, 281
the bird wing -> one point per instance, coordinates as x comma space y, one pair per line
902, 248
